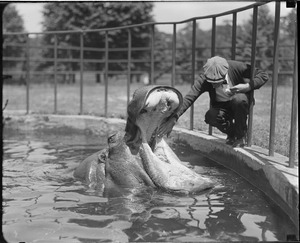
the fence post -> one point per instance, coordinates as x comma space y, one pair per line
253, 52
106, 74
294, 104
173, 57
233, 38
274, 80
213, 53
27, 73
81, 72
55, 74
193, 71
128, 66
152, 55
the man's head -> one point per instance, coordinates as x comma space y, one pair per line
215, 70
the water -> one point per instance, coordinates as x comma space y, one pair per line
42, 202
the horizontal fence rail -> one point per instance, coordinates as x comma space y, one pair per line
125, 63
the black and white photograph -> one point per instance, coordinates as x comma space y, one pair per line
150, 121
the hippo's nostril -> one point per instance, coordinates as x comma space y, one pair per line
169, 104
143, 111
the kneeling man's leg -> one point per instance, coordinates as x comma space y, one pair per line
240, 110
220, 118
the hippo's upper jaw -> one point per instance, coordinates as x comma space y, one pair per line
160, 105
153, 104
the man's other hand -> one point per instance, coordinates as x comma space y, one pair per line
240, 88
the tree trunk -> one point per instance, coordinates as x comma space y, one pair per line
98, 78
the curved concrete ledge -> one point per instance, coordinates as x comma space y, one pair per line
269, 174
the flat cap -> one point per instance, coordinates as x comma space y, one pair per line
215, 69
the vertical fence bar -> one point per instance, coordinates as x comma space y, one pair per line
213, 53
128, 66
106, 74
233, 38
274, 80
55, 74
294, 104
27, 72
174, 56
152, 55
193, 71
81, 73
253, 52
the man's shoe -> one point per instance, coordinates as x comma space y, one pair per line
239, 142
230, 140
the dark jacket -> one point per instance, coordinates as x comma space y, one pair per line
237, 71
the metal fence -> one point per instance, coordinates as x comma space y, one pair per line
129, 49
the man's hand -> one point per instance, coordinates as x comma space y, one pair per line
240, 88
167, 126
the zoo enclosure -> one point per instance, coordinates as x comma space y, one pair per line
129, 49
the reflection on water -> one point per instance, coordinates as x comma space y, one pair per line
42, 201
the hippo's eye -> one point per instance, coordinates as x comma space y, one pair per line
143, 111
112, 138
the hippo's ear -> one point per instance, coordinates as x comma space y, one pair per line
132, 136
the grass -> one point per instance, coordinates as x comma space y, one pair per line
68, 102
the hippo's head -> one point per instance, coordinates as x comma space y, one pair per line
140, 157
153, 104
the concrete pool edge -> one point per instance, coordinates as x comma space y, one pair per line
269, 174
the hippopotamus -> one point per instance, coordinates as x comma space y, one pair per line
138, 157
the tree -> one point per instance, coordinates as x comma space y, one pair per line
184, 53
12, 22
97, 15
288, 24
287, 40
264, 40
162, 54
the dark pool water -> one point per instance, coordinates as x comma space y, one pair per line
42, 202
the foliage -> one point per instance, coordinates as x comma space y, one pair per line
12, 22
162, 54
289, 24
184, 53
288, 27
264, 40
97, 15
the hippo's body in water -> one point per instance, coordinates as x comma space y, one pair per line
139, 158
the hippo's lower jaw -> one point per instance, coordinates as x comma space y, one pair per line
168, 173
160, 162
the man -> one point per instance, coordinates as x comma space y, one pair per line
229, 86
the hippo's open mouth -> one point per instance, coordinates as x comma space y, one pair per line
160, 104
160, 162
149, 108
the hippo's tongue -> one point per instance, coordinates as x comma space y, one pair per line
150, 105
